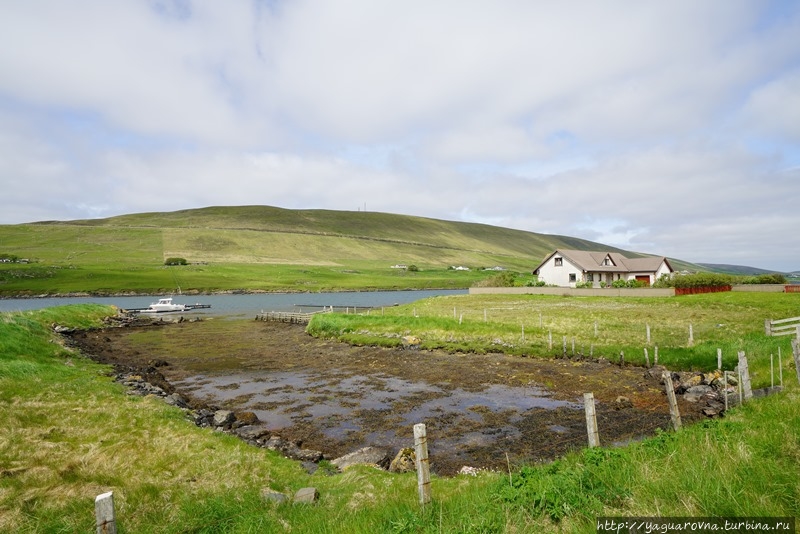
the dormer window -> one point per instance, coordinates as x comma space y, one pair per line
559, 262
607, 261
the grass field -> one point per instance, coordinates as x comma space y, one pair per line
70, 433
602, 326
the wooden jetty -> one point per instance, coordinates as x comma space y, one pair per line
288, 317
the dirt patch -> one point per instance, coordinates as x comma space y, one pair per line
480, 410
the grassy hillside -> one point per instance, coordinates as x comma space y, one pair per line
263, 248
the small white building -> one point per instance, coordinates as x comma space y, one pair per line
565, 268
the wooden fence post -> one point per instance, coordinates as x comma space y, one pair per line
780, 367
591, 420
796, 355
550, 339
771, 371
104, 513
719, 358
648, 334
674, 414
423, 463
745, 371
691, 335
655, 355
725, 388
768, 327
646, 358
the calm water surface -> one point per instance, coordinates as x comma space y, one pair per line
245, 305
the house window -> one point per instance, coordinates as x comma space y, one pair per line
572, 277
606, 261
559, 262
590, 277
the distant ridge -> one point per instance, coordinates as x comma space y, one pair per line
735, 269
265, 234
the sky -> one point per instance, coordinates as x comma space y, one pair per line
669, 128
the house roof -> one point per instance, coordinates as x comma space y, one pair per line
592, 261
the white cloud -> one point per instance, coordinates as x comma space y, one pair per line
665, 127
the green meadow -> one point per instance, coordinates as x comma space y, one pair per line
70, 433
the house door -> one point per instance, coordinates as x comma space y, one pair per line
644, 279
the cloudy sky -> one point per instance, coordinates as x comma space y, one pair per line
663, 127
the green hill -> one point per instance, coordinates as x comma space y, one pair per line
264, 248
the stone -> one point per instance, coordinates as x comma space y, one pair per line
306, 495
410, 342
365, 456
251, 432
271, 495
695, 393
246, 418
404, 461
176, 400
622, 402
223, 418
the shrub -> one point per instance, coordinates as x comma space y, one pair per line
773, 278
503, 279
175, 261
413, 268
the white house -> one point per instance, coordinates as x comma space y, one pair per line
565, 268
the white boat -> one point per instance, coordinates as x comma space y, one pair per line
165, 305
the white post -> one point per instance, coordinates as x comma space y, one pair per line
646, 358
691, 335
573, 346
719, 358
591, 420
655, 355
484, 315
423, 463
460, 318
104, 513
595, 329
550, 339
743, 368
771, 371
673, 402
648, 334
780, 367
523, 333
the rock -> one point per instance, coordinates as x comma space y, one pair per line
689, 380
273, 496
251, 432
176, 400
306, 495
710, 378
410, 342
695, 393
622, 402
367, 455
655, 372
245, 419
223, 418
158, 363
291, 450
404, 461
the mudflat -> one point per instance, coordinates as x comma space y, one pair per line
481, 410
